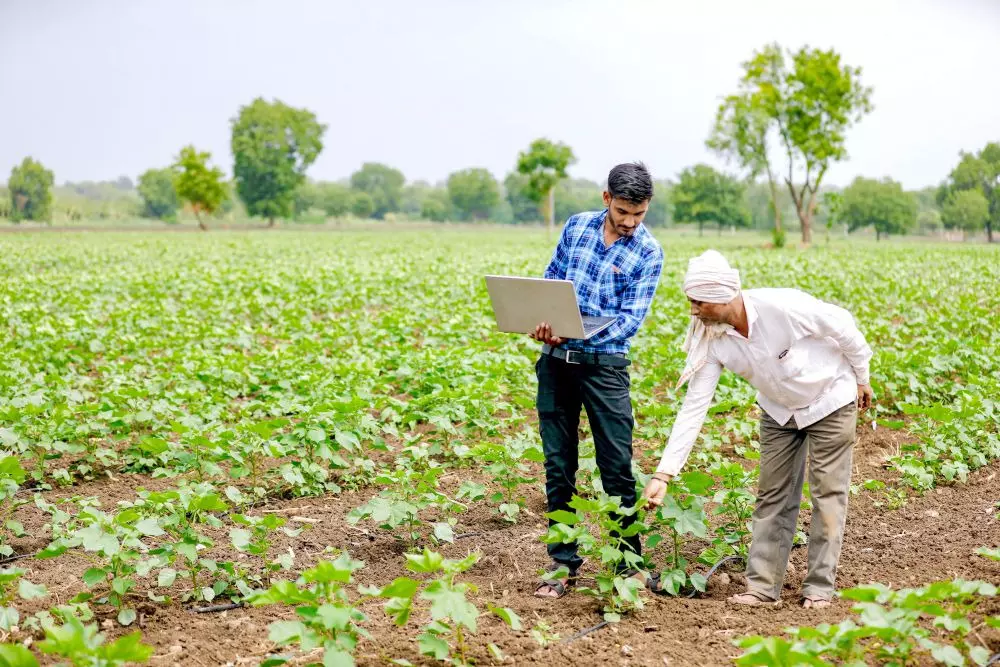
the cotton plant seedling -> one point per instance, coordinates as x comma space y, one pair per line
406, 494
12, 475
327, 618
595, 524
507, 462
909, 626
681, 517
453, 616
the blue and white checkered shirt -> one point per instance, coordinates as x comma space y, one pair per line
619, 281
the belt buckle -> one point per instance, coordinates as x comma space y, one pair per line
569, 357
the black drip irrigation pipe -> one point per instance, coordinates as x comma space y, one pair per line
218, 607
714, 568
995, 660
584, 633
11, 559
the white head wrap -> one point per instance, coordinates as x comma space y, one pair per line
709, 278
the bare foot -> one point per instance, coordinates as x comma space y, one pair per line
752, 599
815, 602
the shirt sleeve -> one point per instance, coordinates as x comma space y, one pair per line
636, 302
559, 264
819, 318
687, 426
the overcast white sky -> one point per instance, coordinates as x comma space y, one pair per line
100, 88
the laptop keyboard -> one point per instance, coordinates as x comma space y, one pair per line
592, 323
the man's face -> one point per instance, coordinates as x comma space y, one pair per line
709, 313
624, 216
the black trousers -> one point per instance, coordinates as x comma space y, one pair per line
604, 392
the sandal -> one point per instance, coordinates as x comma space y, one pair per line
753, 599
815, 602
650, 580
560, 587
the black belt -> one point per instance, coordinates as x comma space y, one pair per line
592, 358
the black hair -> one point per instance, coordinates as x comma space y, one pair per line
630, 181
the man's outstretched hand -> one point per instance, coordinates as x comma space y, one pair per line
656, 489
543, 333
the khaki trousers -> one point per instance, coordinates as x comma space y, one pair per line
783, 449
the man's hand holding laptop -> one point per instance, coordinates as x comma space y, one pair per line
543, 333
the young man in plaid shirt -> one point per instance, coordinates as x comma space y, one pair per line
614, 264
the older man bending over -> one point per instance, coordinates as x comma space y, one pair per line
809, 363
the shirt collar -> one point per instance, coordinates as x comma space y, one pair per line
751, 317
625, 240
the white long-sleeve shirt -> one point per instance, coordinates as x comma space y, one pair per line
804, 356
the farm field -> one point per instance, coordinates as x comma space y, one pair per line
193, 420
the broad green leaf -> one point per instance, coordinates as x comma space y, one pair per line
335, 657
562, 516
508, 615
149, 527
94, 576
433, 646
284, 632
29, 591
12, 655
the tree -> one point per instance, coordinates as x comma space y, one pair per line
573, 195
30, 187
306, 197
273, 144
362, 205
809, 106
660, 212
473, 193
334, 199
383, 184
741, 136
929, 221
198, 184
882, 204
159, 197
523, 207
703, 195
545, 164
967, 210
436, 206
980, 172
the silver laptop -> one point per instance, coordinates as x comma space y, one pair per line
521, 304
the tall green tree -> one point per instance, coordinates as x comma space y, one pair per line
383, 184
473, 193
981, 172
334, 199
202, 186
159, 197
436, 206
703, 195
574, 195
967, 210
362, 205
809, 106
882, 204
660, 213
545, 164
30, 187
524, 208
273, 144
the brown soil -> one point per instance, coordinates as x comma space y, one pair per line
932, 537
